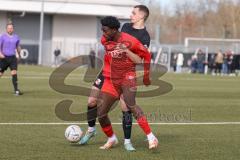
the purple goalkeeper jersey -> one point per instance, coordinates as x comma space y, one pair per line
9, 44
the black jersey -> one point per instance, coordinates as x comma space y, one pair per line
141, 34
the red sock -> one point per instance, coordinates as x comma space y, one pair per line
108, 130
143, 123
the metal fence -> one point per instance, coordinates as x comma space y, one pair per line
161, 54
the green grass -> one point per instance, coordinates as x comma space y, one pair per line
194, 98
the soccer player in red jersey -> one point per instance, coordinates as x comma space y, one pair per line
120, 78
137, 29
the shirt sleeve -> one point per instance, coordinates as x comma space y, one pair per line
148, 41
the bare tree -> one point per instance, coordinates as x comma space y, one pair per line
198, 18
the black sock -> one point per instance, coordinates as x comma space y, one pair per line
127, 124
91, 116
15, 82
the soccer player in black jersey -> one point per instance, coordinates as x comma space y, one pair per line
137, 29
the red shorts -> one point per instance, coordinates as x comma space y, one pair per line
114, 86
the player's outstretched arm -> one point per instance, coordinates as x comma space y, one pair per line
146, 77
145, 54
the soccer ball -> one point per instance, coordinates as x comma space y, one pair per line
73, 133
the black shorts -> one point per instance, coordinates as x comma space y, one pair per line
99, 81
6, 62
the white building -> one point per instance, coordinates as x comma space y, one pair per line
73, 26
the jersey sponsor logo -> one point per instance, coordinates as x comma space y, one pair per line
110, 46
115, 54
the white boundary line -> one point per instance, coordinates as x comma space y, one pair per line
234, 78
197, 123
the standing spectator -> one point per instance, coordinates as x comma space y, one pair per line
231, 65
194, 64
212, 64
174, 62
57, 53
200, 61
10, 54
225, 64
180, 60
236, 61
219, 62
92, 55
189, 64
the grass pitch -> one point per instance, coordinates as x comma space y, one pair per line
194, 99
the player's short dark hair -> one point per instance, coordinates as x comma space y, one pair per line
111, 22
144, 9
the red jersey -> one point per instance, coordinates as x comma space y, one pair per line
117, 64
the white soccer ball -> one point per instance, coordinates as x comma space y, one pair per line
73, 133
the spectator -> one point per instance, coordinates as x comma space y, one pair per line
92, 55
200, 61
212, 64
219, 62
189, 64
180, 60
194, 64
225, 64
174, 62
57, 53
237, 64
232, 65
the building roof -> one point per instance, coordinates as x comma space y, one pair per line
118, 8
104, 2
